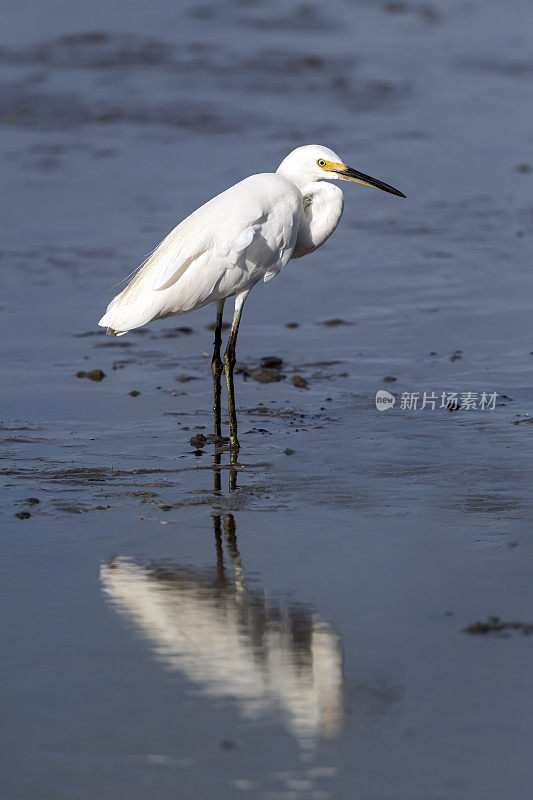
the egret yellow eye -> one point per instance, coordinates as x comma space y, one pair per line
321, 162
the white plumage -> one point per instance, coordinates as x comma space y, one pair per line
248, 232
231, 643
223, 248
244, 234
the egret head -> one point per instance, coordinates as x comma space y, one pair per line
313, 162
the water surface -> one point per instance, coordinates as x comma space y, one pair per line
293, 627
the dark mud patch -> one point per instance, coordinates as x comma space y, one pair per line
212, 326
93, 375
11, 428
271, 362
198, 441
492, 504
223, 71
114, 343
267, 376
21, 440
334, 323
311, 364
23, 108
273, 369
81, 476
140, 493
239, 498
300, 17
499, 627
70, 508
173, 333
425, 12
280, 413
519, 68
122, 362
300, 382
86, 334
91, 50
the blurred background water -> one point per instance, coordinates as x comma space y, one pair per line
292, 628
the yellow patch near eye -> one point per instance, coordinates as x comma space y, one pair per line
331, 166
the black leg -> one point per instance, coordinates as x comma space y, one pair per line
217, 483
229, 363
233, 472
230, 536
221, 581
216, 368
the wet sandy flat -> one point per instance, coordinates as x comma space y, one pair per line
347, 611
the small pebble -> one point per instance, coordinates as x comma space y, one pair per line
92, 374
23, 515
288, 451
198, 440
32, 501
389, 379
292, 324
299, 382
134, 393
271, 362
95, 375
267, 376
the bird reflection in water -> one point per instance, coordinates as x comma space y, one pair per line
230, 640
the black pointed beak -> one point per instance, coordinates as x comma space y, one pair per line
350, 174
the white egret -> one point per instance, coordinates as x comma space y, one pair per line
231, 641
225, 247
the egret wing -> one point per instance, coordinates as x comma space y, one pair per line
224, 247
213, 227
